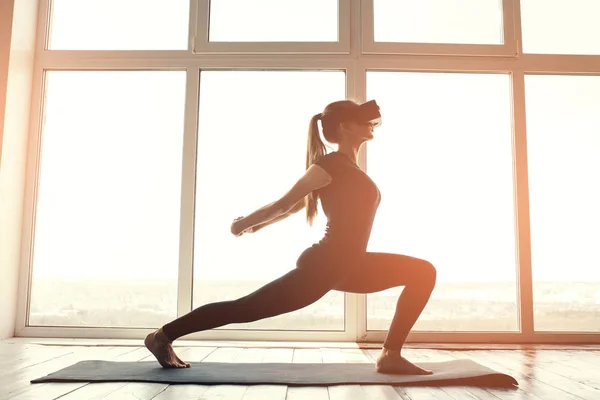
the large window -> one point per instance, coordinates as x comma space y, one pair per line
119, 25
560, 26
563, 130
273, 21
107, 217
438, 21
251, 150
155, 124
443, 162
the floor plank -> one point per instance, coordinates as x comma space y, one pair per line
104, 390
285, 344
261, 392
307, 393
555, 375
222, 392
49, 391
187, 392
528, 388
278, 355
182, 392
17, 381
344, 392
544, 373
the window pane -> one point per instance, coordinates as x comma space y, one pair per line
273, 21
560, 27
251, 150
438, 21
563, 142
443, 162
107, 221
119, 25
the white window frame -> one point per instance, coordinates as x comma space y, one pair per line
356, 61
202, 44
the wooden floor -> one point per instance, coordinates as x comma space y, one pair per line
543, 373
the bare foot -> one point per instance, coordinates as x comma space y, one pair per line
161, 347
394, 363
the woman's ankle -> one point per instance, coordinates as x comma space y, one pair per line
389, 352
162, 336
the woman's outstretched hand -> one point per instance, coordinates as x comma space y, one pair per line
237, 227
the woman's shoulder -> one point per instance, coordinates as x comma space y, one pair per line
331, 162
329, 156
327, 159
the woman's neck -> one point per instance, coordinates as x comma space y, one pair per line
350, 151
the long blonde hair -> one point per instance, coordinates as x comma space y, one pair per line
316, 148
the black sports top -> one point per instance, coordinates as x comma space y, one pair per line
349, 202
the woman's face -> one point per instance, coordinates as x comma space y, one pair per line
358, 131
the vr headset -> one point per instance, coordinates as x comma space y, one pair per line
363, 114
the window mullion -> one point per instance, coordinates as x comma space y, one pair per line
188, 191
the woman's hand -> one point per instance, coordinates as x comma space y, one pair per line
237, 227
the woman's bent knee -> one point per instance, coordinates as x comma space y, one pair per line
429, 273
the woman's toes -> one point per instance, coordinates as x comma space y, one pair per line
183, 363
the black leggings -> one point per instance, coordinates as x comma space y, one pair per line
317, 272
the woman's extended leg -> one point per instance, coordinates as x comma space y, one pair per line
381, 271
294, 290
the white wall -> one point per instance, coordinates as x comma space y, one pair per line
17, 43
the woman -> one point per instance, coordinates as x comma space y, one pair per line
339, 261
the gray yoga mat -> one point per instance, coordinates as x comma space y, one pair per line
455, 372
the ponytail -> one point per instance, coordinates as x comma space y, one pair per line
314, 150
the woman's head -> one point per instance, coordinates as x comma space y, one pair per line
341, 123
